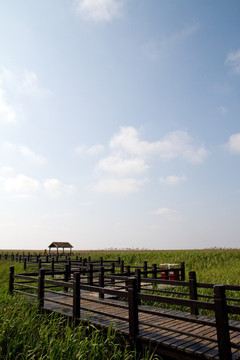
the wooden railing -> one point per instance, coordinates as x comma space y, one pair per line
58, 262
135, 291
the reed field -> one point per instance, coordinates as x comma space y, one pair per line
27, 334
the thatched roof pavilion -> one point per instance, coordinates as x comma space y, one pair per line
61, 245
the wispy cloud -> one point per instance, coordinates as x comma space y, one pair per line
91, 150
172, 180
122, 166
56, 188
99, 10
163, 211
120, 186
223, 109
233, 144
26, 153
7, 113
233, 60
157, 48
31, 86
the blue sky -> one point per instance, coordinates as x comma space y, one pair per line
120, 124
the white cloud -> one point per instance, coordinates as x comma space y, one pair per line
21, 184
92, 150
174, 145
233, 60
99, 10
163, 211
171, 180
129, 157
56, 188
233, 144
25, 152
118, 186
7, 114
122, 167
14, 88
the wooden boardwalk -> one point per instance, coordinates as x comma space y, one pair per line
120, 301
176, 338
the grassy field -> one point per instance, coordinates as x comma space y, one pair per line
27, 334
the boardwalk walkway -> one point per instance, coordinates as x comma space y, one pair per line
128, 303
177, 338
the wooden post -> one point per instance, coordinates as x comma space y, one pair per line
11, 279
76, 297
138, 278
133, 309
90, 274
183, 271
66, 275
101, 261
122, 267
112, 272
221, 314
128, 270
39, 264
193, 290
145, 269
154, 274
101, 282
25, 264
127, 273
154, 271
119, 260
52, 266
69, 269
41, 288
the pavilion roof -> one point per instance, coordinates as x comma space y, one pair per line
60, 245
